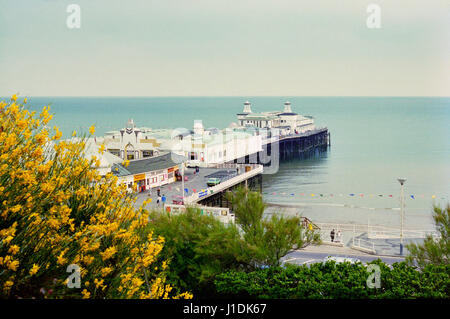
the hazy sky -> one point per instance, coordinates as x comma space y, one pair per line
225, 47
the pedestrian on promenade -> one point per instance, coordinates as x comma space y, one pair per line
159, 192
163, 199
332, 235
158, 200
338, 236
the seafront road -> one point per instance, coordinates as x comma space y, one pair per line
314, 254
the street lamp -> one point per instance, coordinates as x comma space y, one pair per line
402, 212
182, 181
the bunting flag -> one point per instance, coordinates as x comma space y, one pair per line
351, 194
361, 195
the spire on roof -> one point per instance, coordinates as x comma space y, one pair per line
247, 107
287, 107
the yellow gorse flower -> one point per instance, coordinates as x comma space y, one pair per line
56, 207
34, 269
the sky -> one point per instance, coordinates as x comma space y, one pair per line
225, 48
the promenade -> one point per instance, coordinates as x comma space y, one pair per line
196, 184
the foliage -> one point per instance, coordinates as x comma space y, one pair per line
433, 251
55, 210
198, 247
335, 281
272, 238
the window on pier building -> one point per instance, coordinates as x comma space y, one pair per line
193, 155
147, 153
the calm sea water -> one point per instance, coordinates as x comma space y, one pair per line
374, 141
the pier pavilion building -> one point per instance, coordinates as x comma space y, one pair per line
147, 173
130, 143
287, 121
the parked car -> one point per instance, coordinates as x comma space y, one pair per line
213, 181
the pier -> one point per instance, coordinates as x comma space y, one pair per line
232, 176
298, 144
288, 146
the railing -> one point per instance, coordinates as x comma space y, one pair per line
406, 233
282, 136
221, 213
255, 169
362, 243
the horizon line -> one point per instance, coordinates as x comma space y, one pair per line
229, 96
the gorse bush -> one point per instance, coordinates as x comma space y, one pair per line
56, 210
335, 281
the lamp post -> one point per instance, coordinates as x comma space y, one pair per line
402, 212
182, 181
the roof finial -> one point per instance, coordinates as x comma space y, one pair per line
287, 107
247, 107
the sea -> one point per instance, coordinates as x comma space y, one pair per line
374, 141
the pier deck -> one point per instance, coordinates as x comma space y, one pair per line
228, 173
